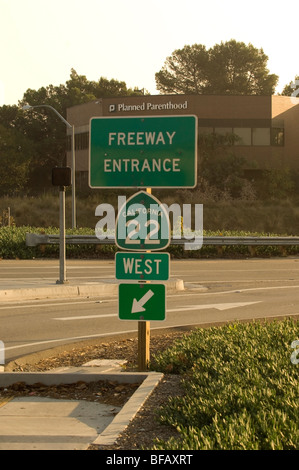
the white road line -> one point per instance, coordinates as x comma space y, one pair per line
53, 278
112, 333
251, 289
46, 268
85, 317
227, 281
63, 340
224, 306
57, 304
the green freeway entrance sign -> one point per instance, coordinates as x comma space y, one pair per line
142, 224
142, 266
143, 302
146, 151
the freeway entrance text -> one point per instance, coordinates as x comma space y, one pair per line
149, 151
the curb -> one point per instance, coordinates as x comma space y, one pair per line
76, 374
65, 291
38, 293
109, 436
148, 381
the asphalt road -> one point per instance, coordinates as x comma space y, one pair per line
234, 290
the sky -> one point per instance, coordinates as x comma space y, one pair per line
129, 40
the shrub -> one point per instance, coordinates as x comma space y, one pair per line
13, 245
241, 388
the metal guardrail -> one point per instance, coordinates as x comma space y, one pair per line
34, 239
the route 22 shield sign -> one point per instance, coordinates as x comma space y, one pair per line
142, 224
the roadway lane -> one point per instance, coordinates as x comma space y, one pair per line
209, 272
238, 289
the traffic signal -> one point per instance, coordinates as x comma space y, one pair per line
62, 176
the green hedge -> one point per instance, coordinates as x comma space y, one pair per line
241, 388
13, 246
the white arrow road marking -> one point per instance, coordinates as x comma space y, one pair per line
138, 304
225, 306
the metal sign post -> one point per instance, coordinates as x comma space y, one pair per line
62, 246
61, 176
144, 337
144, 332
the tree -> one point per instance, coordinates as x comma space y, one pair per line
237, 69
77, 90
45, 129
14, 161
219, 167
185, 71
227, 68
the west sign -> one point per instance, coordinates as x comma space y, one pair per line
145, 152
142, 266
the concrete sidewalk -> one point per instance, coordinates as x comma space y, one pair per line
39, 423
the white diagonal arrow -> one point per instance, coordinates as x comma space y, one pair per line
138, 304
225, 306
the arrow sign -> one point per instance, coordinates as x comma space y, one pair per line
138, 304
144, 302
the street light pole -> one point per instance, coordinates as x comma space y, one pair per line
62, 177
74, 216
62, 249
74, 212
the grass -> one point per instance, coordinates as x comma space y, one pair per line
280, 216
234, 217
241, 388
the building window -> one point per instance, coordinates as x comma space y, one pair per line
277, 136
223, 131
261, 136
206, 130
226, 134
243, 135
81, 141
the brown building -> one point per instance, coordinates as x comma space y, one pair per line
267, 126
